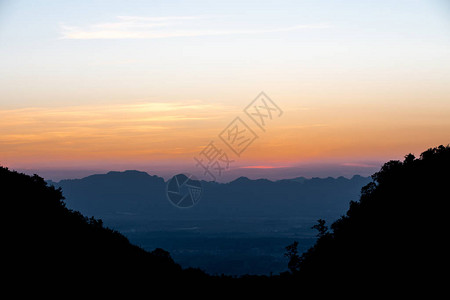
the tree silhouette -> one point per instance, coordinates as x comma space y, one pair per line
321, 228
293, 256
394, 233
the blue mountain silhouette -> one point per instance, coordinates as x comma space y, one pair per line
138, 193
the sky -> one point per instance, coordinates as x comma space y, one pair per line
91, 86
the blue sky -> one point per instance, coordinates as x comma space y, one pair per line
245, 36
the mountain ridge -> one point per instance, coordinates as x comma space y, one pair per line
140, 193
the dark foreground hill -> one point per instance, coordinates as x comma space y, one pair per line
45, 241
394, 236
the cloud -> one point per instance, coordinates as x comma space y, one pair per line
359, 165
31, 124
134, 27
264, 167
143, 130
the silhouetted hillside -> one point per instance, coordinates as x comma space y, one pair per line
44, 240
394, 235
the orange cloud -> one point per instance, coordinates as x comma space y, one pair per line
263, 167
171, 132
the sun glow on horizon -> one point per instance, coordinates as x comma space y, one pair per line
133, 83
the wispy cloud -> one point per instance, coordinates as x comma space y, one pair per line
134, 27
359, 165
264, 167
28, 125
139, 131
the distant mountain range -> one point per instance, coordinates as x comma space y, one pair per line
136, 193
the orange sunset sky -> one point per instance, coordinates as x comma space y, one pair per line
147, 85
